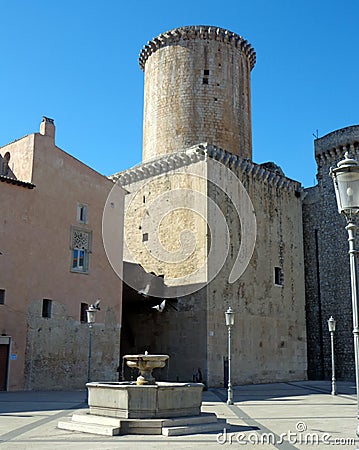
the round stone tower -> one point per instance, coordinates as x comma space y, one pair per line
197, 89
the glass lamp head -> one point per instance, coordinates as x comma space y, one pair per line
331, 324
91, 315
229, 317
346, 184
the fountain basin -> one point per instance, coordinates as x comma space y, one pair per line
149, 401
146, 363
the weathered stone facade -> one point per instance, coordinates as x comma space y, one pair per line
328, 290
185, 220
197, 89
269, 336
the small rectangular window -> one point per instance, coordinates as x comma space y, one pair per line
2, 296
81, 213
46, 308
79, 259
278, 276
83, 313
205, 80
145, 237
206, 72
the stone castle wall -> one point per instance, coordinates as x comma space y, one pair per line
269, 336
327, 262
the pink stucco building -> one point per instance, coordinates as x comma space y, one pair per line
53, 264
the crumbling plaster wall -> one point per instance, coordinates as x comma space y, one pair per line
57, 348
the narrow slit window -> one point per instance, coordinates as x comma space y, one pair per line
145, 237
2, 296
82, 213
46, 308
205, 80
278, 276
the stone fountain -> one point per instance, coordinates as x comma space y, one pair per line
144, 406
146, 363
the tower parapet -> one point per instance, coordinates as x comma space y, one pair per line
202, 32
331, 148
197, 89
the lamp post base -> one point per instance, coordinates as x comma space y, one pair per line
229, 394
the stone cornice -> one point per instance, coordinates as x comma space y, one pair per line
197, 32
201, 152
159, 165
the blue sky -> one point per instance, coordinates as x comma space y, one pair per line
77, 62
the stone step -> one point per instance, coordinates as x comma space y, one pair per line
111, 426
191, 420
85, 417
104, 430
194, 429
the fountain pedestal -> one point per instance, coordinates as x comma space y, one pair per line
131, 401
145, 363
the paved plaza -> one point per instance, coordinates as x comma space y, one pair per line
298, 415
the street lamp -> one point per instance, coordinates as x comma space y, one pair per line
229, 314
331, 326
91, 319
346, 184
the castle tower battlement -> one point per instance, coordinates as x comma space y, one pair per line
201, 152
197, 89
331, 148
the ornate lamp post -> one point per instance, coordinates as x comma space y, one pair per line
331, 326
346, 184
91, 319
229, 314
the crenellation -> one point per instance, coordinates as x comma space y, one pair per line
202, 32
266, 175
194, 154
249, 168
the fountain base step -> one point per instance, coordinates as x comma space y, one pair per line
194, 429
93, 428
108, 426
